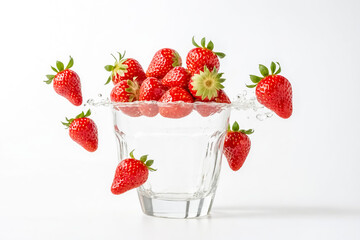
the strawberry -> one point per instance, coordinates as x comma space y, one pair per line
124, 69
83, 130
237, 146
200, 57
126, 91
176, 110
273, 91
206, 110
150, 90
163, 61
66, 82
131, 173
205, 85
176, 77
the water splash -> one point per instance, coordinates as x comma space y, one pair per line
243, 102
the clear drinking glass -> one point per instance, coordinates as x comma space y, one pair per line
187, 153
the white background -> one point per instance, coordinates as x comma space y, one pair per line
302, 177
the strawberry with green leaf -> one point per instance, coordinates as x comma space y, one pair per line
273, 91
83, 130
237, 146
205, 85
202, 56
126, 91
124, 69
163, 61
131, 173
66, 82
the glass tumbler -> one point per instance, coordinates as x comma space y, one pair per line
186, 146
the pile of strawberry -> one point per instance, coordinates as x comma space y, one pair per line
166, 81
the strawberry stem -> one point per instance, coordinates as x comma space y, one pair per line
144, 160
264, 72
236, 128
209, 46
81, 115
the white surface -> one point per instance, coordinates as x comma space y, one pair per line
301, 180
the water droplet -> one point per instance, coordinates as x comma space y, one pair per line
100, 95
269, 114
261, 116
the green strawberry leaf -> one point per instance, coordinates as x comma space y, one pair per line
66, 124
109, 68
143, 158
81, 115
255, 79
251, 86
151, 169
250, 131
50, 77
220, 54
203, 41
272, 67
48, 81
263, 70
88, 113
132, 154
149, 163
70, 64
108, 80
210, 46
60, 66
194, 43
235, 127
55, 70
279, 70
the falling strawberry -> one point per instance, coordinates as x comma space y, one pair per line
126, 91
66, 82
83, 130
206, 110
179, 109
176, 77
124, 69
131, 173
206, 84
273, 91
200, 57
237, 146
163, 61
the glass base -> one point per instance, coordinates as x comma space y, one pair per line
190, 208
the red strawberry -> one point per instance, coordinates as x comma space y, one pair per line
83, 130
237, 146
66, 82
222, 97
206, 110
273, 91
176, 77
200, 57
150, 90
126, 91
131, 173
124, 69
205, 85
176, 110
163, 61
